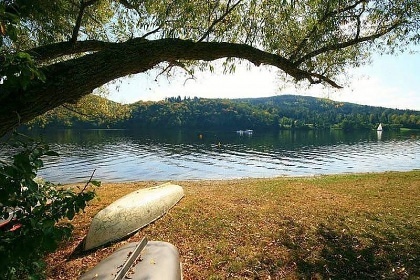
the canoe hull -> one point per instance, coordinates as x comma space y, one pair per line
130, 213
158, 260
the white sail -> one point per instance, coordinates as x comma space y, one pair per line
379, 127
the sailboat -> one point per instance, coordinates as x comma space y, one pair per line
379, 127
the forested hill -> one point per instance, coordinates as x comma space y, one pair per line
295, 104
322, 112
277, 112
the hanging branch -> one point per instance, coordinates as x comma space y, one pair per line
328, 14
172, 64
216, 21
161, 25
351, 42
151, 32
83, 6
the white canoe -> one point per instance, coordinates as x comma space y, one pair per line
130, 213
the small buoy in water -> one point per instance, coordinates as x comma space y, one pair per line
200, 136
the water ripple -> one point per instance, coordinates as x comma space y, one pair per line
129, 156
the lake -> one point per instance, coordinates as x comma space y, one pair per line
127, 155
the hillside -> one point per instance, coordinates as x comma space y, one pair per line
277, 112
295, 105
91, 111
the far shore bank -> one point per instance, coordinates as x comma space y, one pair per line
350, 226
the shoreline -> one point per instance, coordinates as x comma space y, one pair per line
247, 178
285, 227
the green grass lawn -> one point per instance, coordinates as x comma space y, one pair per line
363, 226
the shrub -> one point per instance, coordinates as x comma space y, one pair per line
36, 207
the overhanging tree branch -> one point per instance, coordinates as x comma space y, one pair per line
168, 50
57, 50
69, 80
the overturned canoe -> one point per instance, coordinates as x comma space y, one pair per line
156, 261
130, 213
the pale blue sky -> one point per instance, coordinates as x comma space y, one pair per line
390, 81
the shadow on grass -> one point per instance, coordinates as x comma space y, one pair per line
340, 255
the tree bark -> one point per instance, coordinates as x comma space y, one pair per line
70, 80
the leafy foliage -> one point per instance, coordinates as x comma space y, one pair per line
37, 208
7, 25
18, 70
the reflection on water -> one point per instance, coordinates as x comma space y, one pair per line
124, 155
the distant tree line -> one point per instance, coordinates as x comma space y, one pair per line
311, 112
279, 112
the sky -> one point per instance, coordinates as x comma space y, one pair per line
389, 81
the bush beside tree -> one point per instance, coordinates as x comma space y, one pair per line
35, 210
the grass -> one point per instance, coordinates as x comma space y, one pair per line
363, 226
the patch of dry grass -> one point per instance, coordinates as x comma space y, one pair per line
339, 227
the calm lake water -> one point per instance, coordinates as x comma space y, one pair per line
126, 155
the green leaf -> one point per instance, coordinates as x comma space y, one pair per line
48, 224
38, 163
24, 55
